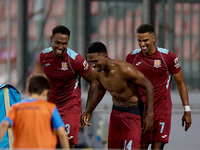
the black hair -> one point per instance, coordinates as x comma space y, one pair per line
144, 28
36, 84
61, 29
97, 47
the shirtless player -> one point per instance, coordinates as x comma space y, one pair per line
121, 79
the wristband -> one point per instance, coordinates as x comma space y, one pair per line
187, 108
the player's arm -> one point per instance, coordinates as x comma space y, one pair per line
95, 95
3, 128
88, 76
63, 138
83, 66
186, 119
84, 69
95, 87
138, 78
90, 79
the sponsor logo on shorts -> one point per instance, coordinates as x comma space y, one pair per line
70, 137
164, 136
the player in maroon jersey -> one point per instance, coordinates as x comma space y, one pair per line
158, 65
64, 68
121, 79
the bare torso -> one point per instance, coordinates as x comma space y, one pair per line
122, 89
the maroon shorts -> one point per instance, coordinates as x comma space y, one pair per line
160, 131
125, 127
71, 122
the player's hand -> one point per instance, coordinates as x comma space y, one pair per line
186, 120
81, 125
148, 123
85, 120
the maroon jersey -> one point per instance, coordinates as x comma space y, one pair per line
64, 74
158, 68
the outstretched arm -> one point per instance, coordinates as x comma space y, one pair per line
3, 128
186, 119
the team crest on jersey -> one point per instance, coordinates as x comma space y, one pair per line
157, 63
64, 66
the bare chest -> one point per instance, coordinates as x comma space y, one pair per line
114, 83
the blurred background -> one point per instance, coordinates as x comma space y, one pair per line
25, 30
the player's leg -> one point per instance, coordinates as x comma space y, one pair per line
71, 123
72, 145
144, 146
131, 131
161, 134
129, 125
114, 136
157, 145
147, 137
146, 140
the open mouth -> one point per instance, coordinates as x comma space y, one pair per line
144, 48
59, 52
97, 69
